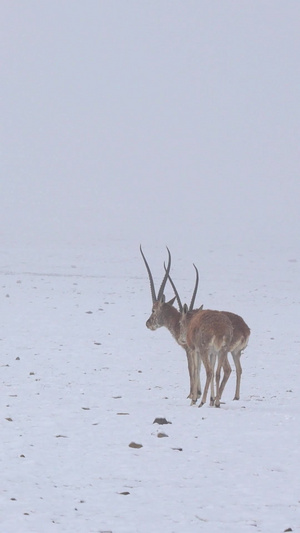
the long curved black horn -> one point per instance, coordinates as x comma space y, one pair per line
164, 281
195, 289
150, 277
175, 291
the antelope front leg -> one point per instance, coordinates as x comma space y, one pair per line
190, 367
195, 375
189, 357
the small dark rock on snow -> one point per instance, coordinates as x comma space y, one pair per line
161, 421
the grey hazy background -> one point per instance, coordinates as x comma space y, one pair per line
150, 120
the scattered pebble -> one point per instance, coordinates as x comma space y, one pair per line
161, 421
135, 445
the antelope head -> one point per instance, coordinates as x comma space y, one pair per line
160, 308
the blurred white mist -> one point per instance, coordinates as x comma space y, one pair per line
162, 121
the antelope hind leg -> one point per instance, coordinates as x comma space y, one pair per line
222, 362
238, 367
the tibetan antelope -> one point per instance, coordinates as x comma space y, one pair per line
239, 340
208, 335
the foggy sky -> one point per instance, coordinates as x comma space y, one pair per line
154, 121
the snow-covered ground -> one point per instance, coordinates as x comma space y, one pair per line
82, 378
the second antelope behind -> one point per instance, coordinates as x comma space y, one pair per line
208, 335
239, 340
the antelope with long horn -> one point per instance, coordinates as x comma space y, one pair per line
165, 314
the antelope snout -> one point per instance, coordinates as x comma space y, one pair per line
150, 325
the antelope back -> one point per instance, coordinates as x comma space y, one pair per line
206, 328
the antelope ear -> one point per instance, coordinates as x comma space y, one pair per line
200, 308
170, 302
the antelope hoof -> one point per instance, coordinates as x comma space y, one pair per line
190, 396
193, 402
212, 402
236, 398
217, 403
200, 404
